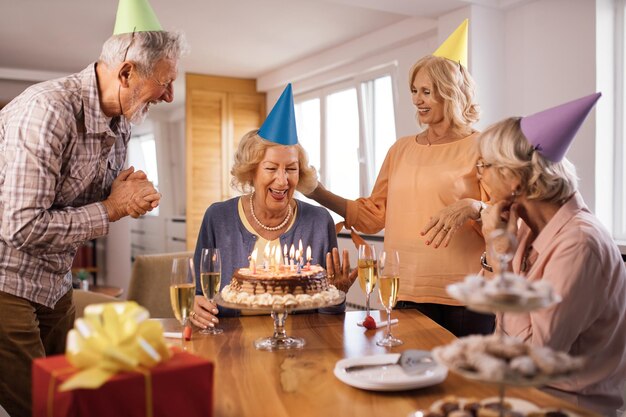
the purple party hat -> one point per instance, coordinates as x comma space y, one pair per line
551, 131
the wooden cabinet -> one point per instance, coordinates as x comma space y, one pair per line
218, 112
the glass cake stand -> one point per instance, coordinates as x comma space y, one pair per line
279, 340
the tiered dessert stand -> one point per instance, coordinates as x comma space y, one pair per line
490, 300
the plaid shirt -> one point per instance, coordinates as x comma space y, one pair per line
59, 155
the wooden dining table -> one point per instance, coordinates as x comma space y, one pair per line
301, 382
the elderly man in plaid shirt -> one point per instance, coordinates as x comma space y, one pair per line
62, 149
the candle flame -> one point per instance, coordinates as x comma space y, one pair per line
254, 253
300, 246
266, 251
277, 256
285, 250
292, 250
308, 253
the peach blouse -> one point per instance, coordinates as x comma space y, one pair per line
414, 183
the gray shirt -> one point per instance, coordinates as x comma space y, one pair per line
222, 228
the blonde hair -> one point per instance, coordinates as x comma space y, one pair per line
251, 152
454, 86
504, 145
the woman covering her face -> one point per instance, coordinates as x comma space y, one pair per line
561, 242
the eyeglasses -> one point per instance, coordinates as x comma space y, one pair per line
481, 165
132, 38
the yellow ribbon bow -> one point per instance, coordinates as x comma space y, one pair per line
111, 338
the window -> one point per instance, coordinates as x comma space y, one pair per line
619, 200
347, 130
142, 155
610, 181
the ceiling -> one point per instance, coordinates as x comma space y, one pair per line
40, 39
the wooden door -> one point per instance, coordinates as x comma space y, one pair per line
219, 111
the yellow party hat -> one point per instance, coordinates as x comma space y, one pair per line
455, 47
135, 16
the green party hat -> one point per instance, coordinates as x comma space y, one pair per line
135, 16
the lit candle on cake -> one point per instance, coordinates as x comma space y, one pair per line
292, 252
266, 255
277, 258
272, 257
286, 261
298, 257
300, 253
252, 259
308, 257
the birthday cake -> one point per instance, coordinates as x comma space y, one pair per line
281, 287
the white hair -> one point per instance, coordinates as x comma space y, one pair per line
145, 49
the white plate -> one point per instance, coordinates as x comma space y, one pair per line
515, 380
388, 378
517, 404
480, 302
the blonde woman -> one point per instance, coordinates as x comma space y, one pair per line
427, 197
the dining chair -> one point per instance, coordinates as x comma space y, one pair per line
83, 298
150, 282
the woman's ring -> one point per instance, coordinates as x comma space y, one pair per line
192, 314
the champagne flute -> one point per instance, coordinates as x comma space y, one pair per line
388, 284
502, 246
210, 278
367, 272
182, 288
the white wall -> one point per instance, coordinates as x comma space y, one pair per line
550, 58
9, 89
523, 59
403, 44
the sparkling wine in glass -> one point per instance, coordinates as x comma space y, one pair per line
388, 285
210, 278
502, 246
182, 288
367, 272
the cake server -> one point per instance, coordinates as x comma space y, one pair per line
411, 361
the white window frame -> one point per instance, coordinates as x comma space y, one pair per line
366, 159
619, 150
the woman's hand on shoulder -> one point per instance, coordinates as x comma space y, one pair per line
203, 314
340, 275
318, 189
442, 226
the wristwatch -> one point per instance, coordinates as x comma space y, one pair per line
484, 264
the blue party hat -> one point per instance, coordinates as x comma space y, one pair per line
280, 125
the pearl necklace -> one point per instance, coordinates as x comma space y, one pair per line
271, 229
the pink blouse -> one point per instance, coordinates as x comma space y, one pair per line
577, 255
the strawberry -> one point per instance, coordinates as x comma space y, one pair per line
187, 333
369, 323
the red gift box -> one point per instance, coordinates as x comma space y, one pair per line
182, 386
